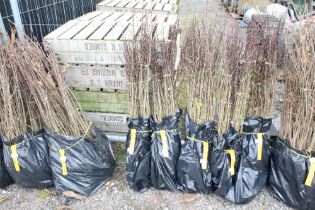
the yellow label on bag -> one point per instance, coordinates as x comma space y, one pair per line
164, 143
14, 156
311, 173
231, 152
63, 160
133, 135
259, 145
204, 163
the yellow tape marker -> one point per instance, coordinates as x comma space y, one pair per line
311, 173
164, 143
204, 161
231, 152
63, 160
133, 135
259, 142
15, 156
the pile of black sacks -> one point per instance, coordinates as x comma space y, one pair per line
46, 159
236, 166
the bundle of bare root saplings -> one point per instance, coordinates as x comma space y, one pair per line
262, 59
291, 175
248, 153
153, 142
139, 57
166, 86
46, 141
208, 90
218, 78
218, 63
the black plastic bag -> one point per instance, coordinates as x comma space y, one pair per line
165, 151
26, 159
138, 154
224, 162
5, 178
251, 175
79, 164
291, 176
193, 167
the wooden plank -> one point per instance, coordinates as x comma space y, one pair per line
122, 4
131, 32
169, 8
136, 18
117, 137
117, 31
114, 17
125, 17
149, 19
111, 127
108, 121
106, 117
101, 32
161, 32
86, 32
140, 5
158, 7
96, 77
149, 6
105, 2
113, 3
132, 4
104, 58
104, 102
90, 15
178, 51
171, 19
89, 106
74, 30
62, 29
102, 16
106, 27
86, 46
160, 19
101, 97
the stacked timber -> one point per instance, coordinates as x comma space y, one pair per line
91, 50
139, 6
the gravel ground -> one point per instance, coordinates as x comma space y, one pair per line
115, 194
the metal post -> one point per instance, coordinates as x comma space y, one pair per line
17, 19
3, 32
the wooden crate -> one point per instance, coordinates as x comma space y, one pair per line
139, 6
90, 50
108, 122
98, 38
104, 102
95, 77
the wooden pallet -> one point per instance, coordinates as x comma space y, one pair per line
103, 102
95, 77
90, 49
139, 6
108, 122
98, 37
